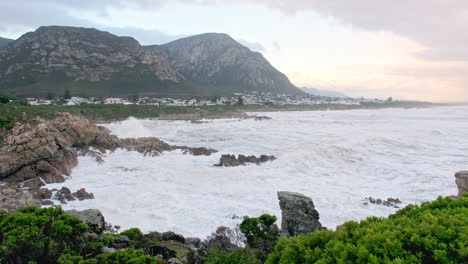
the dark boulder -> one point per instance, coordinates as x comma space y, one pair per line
171, 236
299, 216
92, 217
82, 194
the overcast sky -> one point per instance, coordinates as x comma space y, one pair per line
408, 49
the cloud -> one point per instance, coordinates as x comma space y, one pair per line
440, 25
255, 46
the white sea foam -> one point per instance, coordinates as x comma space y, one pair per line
336, 157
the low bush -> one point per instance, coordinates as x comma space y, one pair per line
435, 232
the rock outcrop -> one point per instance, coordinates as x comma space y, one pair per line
218, 60
228, 160
299, 216
461, 179
12, 200
79, 54
390, 202
36, 155
48, 151
92, 217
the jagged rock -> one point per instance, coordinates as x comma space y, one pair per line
299, 216
12, 200
196, 151
461, 179
228, 160
64, 195
44, 153
92, 217
82, 194
173, 237
220, 241
42, 194
193, 242
390, 202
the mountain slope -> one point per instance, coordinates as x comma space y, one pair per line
80, 55
218, 60
4, 42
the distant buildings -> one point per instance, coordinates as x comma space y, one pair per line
113, 100
253, 98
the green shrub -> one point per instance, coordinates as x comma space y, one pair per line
435, 232
38, 235
261, 233
240, 256
126, 256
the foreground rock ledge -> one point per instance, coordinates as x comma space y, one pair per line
299, 216
36, 155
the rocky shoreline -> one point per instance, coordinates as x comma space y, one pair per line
34, 155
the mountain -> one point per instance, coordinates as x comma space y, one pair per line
218, 60
4, 42
325, 93
90, 62
78, 57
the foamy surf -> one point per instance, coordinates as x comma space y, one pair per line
336, 157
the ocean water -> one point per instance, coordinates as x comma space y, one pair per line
336, 157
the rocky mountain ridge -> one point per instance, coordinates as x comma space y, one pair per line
217, 59
78, 54
93, 62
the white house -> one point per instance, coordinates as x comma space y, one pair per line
113, 100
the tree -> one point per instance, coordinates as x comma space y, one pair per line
67, 94
390, 99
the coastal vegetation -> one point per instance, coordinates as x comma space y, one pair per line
434, 232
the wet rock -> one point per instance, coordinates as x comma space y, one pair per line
47, 202
390, 202
261, 118
299, 216
197, 151
64, 195
82, 194
228, 160
461, 179
173, 237
92, 217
